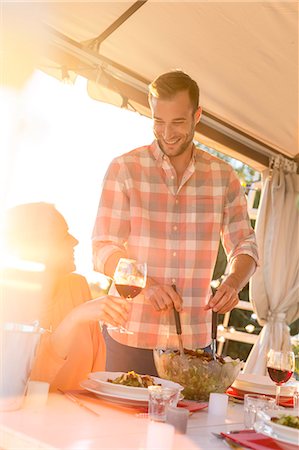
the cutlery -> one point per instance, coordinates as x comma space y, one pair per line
214, 286
178, 326
74, 399
214, 333
231, 443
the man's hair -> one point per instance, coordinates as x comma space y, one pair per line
167, 85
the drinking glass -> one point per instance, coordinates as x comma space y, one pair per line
253, 403
280, 366
129, 280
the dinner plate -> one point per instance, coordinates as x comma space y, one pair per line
262, 384
281, 430
265, 427
92, 386
119, 390
239, 395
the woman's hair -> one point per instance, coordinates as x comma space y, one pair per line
167, 85
31, 230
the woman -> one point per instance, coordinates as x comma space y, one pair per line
73, 345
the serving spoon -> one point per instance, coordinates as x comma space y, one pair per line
214, 286
178, 326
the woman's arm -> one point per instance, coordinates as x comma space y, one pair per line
108, 309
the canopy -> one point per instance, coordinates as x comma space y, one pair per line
244, 56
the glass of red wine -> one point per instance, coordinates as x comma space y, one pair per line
129, 280
280, 366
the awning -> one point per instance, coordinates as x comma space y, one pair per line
243, 55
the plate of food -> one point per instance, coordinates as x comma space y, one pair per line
280, 425
130, 385
92, 386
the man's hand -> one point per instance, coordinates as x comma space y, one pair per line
225, 299
162, 297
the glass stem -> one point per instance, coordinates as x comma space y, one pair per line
277, 394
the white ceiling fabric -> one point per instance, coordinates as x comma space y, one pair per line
244, 55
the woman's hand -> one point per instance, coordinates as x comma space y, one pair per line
108, 309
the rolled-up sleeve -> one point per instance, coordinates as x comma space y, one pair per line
238, 237
112, 225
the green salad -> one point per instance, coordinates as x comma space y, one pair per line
288, 421
197, 371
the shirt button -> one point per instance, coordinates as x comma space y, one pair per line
176, 201
172, 177
173, 280
174, 254
175, 227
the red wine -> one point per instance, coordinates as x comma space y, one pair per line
127, 290
279, 376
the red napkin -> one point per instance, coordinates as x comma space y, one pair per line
191, 405
257, 441
239, 394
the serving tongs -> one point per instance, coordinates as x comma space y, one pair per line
177, 319
214, 286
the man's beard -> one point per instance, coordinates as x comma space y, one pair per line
181, 149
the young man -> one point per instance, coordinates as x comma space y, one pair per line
168, 204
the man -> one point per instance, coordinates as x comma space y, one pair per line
168, 204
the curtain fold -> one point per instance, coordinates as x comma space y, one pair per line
274, 288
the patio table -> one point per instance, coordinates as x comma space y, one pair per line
63, 425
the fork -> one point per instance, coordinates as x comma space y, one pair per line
228, 441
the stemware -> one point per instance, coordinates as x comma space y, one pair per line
129, 279
280, 366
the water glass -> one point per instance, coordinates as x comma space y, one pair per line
178, 417
159, 399
253, 403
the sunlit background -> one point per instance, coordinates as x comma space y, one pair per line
56, 144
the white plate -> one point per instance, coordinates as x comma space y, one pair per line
262, 384
281, 433
119, 390
93, 386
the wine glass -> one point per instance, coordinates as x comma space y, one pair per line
280, 366
129, 280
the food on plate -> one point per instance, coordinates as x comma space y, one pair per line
288, 421
133, 379
196, 371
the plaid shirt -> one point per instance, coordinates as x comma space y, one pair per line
176, 230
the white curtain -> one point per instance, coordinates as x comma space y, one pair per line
274, 288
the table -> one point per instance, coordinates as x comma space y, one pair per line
63, 425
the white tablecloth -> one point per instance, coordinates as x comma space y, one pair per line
63, 425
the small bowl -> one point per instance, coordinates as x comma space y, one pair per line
199, 376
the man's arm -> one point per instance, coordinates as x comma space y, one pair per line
112, 224
226, 297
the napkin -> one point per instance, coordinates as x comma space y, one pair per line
192, 406
253, 440
239, 394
